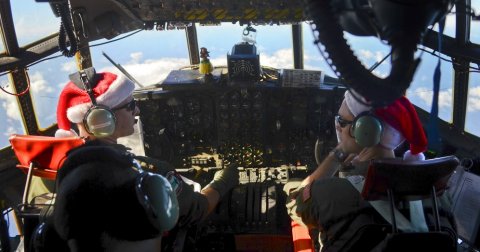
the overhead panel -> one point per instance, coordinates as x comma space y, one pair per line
109, 18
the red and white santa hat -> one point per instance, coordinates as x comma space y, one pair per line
74, 102
401, 123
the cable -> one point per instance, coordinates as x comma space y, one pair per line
44, 59
473, 69
66, 30
21, 93
374, 66
114, 40
89, 46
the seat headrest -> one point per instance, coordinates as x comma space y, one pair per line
408, 179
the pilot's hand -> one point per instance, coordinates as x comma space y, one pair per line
292, 189
293, 194
224, 180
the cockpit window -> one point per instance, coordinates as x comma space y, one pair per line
274, 43
421, 89
450, 24
369, 51
475, 25
147, 55
312, 59
9, 112
33, 21
473, 105
2, 47
46, 81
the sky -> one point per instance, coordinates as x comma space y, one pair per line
150, 55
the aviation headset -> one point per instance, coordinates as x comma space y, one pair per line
367, 129
99, 119
157, 209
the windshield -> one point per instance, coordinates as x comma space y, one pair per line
150, 55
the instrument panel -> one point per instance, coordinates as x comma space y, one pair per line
268, 130
254, 126
109, 18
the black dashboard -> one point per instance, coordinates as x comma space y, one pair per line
258, 125
269, 129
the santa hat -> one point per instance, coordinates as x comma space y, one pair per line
401, 123
74, 102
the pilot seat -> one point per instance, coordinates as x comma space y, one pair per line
393, 184
39, 156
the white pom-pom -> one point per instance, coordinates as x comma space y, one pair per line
65, 133
408, 156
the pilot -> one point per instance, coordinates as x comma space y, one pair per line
105, 202
115, 94
329, 203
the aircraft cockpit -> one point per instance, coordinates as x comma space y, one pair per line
247, 86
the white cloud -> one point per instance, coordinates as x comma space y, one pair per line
9, 102
380, 73
69, 67
445, 97
282, 58
39, 89
153, 71
149, 71
8, 131
33, 27
366, 54
136, 57
39, 85
473, 99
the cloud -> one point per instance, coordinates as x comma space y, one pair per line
366, 54
473, 99
40, 89
10, 130
33, 27
9, 102
371, 55
445, 97
69, 67
153, 71
9, 112
282, 58
149, 71
7, 133
136, 57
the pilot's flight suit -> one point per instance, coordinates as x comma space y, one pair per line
193, 205
335, 207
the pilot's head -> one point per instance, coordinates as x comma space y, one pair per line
100, 203
112, 91
359, 126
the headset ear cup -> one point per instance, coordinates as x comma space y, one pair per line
99, 121
367, 130
157, 197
